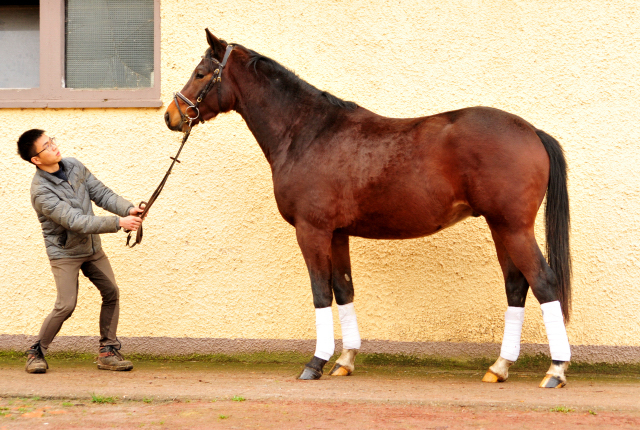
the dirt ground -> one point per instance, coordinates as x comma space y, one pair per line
185, 395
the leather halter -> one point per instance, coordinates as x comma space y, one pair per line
216, 78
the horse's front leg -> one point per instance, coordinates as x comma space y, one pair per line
342, 284
315, 245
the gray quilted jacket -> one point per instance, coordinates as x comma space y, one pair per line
64, 209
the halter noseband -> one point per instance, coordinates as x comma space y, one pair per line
217, 77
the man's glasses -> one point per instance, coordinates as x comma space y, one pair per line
51, 144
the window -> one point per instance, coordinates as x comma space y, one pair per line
80, 53
20, 45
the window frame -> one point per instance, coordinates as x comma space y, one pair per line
53, 94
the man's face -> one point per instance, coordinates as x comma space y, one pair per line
47, 150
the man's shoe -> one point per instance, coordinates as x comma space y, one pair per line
110, 358
35, 360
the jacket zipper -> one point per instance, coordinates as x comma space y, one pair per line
93, 249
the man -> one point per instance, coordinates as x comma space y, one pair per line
61, 194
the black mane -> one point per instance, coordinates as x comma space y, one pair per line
295, 83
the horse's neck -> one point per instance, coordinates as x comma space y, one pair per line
268, 125
273, 116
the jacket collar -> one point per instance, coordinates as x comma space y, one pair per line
68, 167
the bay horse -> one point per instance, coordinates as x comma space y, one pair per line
340, 170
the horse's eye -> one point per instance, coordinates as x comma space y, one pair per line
199, 76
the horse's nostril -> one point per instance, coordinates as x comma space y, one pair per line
166, 118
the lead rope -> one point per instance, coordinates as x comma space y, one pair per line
156, 193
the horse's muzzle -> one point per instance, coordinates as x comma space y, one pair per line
174, 127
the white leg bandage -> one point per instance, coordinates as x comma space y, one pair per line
349, 324
556, 331
513, 320
325, 344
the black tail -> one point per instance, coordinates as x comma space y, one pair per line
557, 221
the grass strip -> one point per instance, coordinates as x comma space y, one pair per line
533, 363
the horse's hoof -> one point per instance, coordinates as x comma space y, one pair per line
491, 377
499, 371
555, 377
339, 370
309, 374
345, 365
551, 381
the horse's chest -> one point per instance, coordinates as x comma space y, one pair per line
310, 198
285, 200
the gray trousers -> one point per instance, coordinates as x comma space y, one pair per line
65, 272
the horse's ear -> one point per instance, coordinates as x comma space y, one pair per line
216, 45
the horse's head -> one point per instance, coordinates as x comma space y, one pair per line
207, 92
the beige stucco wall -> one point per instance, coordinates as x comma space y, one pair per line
218, 261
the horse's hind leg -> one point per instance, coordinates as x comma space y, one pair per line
526, 256
342, 284
516, 286
315, 245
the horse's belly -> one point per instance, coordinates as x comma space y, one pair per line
405, 225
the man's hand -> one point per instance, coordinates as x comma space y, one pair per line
137, 211
131, 222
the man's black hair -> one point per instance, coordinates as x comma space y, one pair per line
26, 143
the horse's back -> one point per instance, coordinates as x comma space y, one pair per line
465, 153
